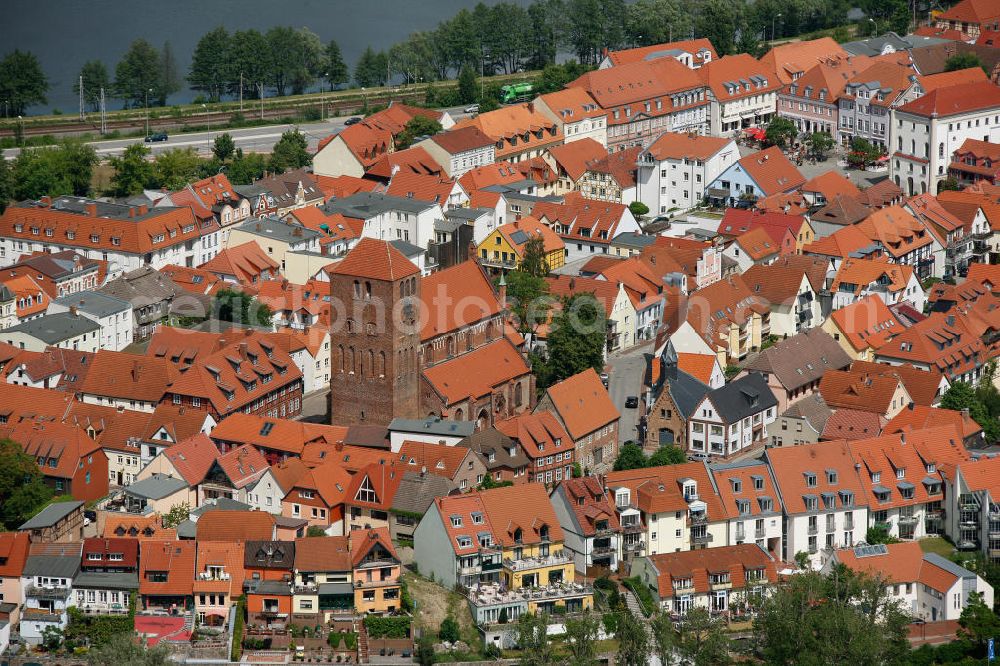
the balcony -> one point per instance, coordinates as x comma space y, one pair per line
698, 519
741, 535
759, 533
700, 537
46, 592
470, 571
812, 529
635, 546
492, 594
631, 528
498, 262
385, 582
598, 551
605, 532
908, 520
529, 563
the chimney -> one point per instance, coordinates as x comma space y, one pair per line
243, 350
90, 208
73, 310
143, 209
46, 200
131, 211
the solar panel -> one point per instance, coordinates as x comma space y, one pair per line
519, 237
871, 550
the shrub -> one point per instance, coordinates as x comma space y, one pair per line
449, 630
388, 627
642, 593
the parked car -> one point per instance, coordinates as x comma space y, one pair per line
472, 109
631, 402
353, 120
159, 136
698, 457
604, 379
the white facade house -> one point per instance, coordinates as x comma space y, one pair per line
114, 316
264, 494
47, 590
675, 170
104, 593
732, 418
926, 132
391, 218
576, 112
66, 330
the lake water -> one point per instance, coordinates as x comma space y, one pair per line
66, 33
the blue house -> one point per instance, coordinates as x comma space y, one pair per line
754, 177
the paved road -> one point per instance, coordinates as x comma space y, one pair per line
250, 139
625, 379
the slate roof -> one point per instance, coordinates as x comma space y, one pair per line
801, 359
53, 329
735, 400
156, 487
94, 303
416, 491
50, 515
270, 554
686, 390
107, 581
490, 440
433, 425
813, 409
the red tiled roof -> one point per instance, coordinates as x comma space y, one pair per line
439, 459
456, 297
13, 553
136, 526
758, 244
103, 547
375, 259
923, 386
955, 99
971, 11
853, 389
639, 82
772, 171
275, 434
605, 292
193, 457
59, 448
678, 145
462, 139
790, 463
798, 57
341, 187
476, 373
384, 481
174, 558
582, 403
321, 554
830, 184
918, 417
596, 504
698, 566
219, 553
539, 434
128, 376
414, 159
421, 187
867, 324
644, 53
236, 526
719, 75
862, 273
360, 543
248, 263
574, 156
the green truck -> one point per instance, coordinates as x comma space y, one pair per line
516, 92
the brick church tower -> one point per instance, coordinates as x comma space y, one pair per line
374, 336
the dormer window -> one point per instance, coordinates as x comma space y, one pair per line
518, 535
901, 473
543, 533
758, 482
831, 476
876, 477
456, 521
810, 479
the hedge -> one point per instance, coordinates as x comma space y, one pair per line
388, 627
238, 629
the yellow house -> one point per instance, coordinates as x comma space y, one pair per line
804, 236
504, 248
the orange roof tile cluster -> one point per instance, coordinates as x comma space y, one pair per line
573, 157
375, 259
580, 218
745, 485
858, 275
830, 184
394, 117
772, 171
903, 562
316, 554
582, 403
920, 417
31, 299
13, 553
800, 471
953, 100
940, 33
945, 341
982, 474
330, 480
455, 298
924, 386
977, 12
422, 187
758, 244
538, 434
738, 76
365, 142
383, 480
414, 159
193, 457
700, 49
90, 225
564, 286
136, 526
275, 434
681, 145
796, 58
246, 263
343, 186
641, 284
699, 566
218, 552
649, 85
335, 227
515, 128
892, 472
660, 489
826, 80
886, 80
439, 459
618, 167
931, 82
475, 374
571, 105
850, 424
699, 366
235, 526
234, 376
361, 543
853, 389
551, 242
867, 323
589, 503
194, 280
713, 309
462, 140
58, 448
128, 376
175, 559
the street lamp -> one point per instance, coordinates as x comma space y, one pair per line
322, 98
874, 27
773, 18
20, 123
148, 90
208, 119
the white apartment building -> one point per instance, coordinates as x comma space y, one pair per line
391, 218
114, 316
927, 131
675, 170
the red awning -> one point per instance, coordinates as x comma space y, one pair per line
755, 132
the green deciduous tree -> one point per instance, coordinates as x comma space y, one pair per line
657, 21
532, 638
133, 172
418, 126
718, 20
468, 88
22, 490
247, 61
633, 641
863, 153
240, 308
336, 69
224, 147
246, 168
137, 75
667, 455
576, 340
370, 69
22, 81
780, 132
169, 79
965, 60
533, 261
527, 299
819, 144
209, 63
449, 631
664, 637
95, 77
638, 208
66, 169
581, 638
291, 152
630, 457
981, 401
593, 26
177, 514
702, 640
123, 650
175, 168
6, 184
842, 618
